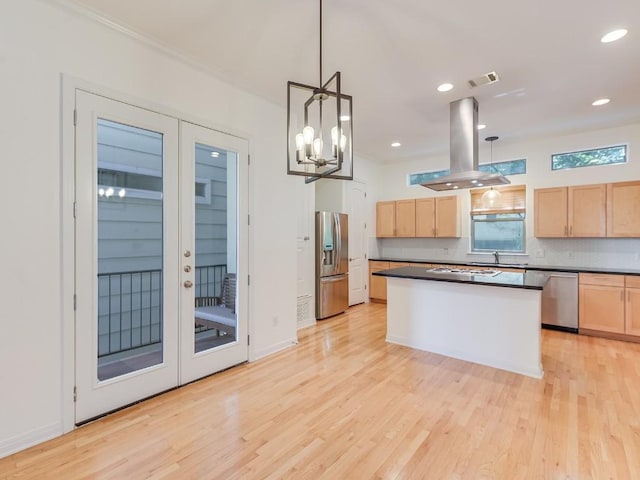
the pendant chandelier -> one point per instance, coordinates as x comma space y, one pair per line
491, 196
319, 128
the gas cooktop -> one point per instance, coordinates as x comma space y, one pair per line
464, 271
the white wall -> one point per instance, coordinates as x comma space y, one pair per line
391, 184
39, 42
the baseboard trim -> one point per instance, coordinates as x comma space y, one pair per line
23, 441
271, 349
306, 323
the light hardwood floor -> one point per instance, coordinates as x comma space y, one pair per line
343, 404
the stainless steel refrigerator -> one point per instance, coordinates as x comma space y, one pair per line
332, 264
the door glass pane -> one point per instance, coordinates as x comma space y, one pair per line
215, 247
130, 253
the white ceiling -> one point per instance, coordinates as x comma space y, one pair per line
393, 55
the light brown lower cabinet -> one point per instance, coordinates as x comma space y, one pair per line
377, 284
609, 304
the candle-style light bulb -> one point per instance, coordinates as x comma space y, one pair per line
299, 141
317, 147
307, 134
334, 136
343, 142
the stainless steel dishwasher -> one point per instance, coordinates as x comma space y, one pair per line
560, 302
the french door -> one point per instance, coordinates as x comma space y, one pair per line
157, 238
213, 202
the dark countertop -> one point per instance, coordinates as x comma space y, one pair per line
547, 268
528, 280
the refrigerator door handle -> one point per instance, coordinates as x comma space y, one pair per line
333, 279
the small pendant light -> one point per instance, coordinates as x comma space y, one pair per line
491, 196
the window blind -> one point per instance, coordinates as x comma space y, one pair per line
512, 200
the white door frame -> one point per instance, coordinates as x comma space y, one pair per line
69, 85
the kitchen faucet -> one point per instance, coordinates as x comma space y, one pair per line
496, 255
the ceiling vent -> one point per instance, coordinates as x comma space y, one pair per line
486, 79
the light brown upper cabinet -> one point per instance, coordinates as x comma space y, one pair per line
447, 217
386, 219
578, 211
405, 218
422, 217
438, 217
623, 209
426, 217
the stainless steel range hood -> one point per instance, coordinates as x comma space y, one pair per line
463, 151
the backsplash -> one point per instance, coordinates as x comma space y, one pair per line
582, 252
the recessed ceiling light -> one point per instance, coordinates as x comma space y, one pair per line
445, 87
481, 126
601, 101
396, 144
614, 35
345, 118
455, 187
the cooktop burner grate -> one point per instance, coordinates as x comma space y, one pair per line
464, 271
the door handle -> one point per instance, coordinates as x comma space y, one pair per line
188, 284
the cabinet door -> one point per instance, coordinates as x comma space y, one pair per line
405, 218
377, 285
550, 212
623, 211
385, 219
632, 311
632, 305
587, 211
602, 308
447, 219
426, 217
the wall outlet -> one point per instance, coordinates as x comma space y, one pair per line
539, 253
570, 255
275, 320
445, 251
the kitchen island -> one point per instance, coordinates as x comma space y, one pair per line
492, 320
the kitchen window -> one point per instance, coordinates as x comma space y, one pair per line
501, 226
589, 158
510, 167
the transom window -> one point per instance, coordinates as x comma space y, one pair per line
510, 167
589, 158
500, 226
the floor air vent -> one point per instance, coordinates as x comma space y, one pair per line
304, 306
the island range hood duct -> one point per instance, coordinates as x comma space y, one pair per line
463, 151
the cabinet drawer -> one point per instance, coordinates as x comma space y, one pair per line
375, 266
632, 281
601, 279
